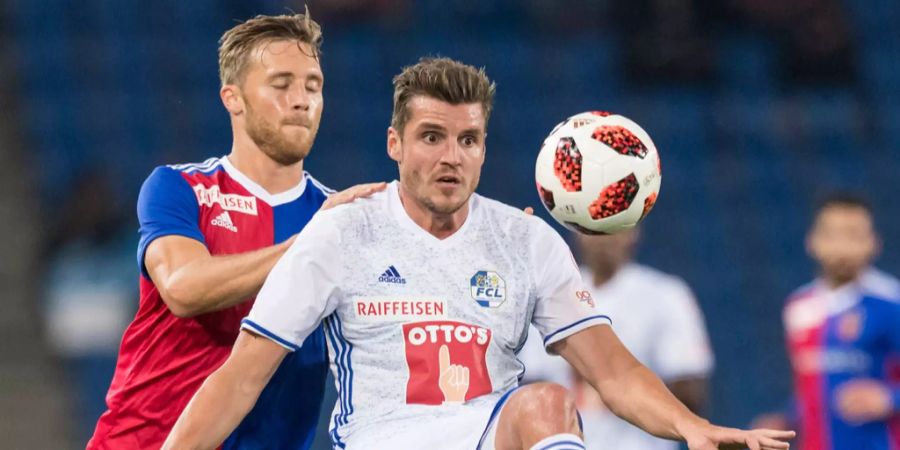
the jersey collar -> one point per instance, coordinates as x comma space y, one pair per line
272, 199
401, 216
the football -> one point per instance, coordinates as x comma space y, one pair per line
598, 173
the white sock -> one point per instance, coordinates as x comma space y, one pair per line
562, 441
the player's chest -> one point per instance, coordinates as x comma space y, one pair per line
846, 342
469, 293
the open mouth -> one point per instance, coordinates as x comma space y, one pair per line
448, 180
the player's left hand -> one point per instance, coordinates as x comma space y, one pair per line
352, 193
863, 400
711, 437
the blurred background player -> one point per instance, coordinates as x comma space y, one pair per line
843, 338
210, 233
656, 317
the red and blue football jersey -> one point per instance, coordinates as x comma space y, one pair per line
163, 359
837, 335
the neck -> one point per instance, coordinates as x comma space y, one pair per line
275, 178
602, 274
439, 225
835, 282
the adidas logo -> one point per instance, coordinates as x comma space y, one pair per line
391, 276
224, 220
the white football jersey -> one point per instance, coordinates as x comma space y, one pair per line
419, 327
658, 320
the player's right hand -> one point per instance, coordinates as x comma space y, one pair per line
711, 437
863, 400
353, 193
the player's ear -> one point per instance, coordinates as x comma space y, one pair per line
394, 145
231, 98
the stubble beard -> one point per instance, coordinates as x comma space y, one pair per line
274, 144
445, 209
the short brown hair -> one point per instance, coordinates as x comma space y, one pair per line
444, 79
236, 45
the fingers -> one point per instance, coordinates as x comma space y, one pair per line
443, 358
353, 193
753, 444
781, 435
773, 439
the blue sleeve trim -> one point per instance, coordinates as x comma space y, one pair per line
166, 205
570, 326
247, 323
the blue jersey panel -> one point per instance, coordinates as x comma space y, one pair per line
287, 412
291, 217
166, 205
858, 345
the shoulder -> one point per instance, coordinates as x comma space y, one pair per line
182, 174
357, 213
876, 284
661, 289
512, 222
317, 186
650, 276
802, 293
208, 166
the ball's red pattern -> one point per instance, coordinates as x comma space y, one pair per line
621, 140
567, 164
546, 197
615, 198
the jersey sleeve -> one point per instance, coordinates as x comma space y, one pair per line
682, 346
166, 206
564, 305
303, 288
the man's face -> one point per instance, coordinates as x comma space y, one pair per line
843, 242
440, 153
282, 98
607, 253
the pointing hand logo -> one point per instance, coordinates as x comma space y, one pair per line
454, 378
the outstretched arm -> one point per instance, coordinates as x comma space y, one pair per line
227, 395
634, 393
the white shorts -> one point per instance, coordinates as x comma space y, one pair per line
467, 428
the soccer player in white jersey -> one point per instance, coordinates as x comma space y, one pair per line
657, 319
427, 290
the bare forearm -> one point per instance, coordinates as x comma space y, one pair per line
639, 397
214, 412
218, 282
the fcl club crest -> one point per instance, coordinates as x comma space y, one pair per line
488, 289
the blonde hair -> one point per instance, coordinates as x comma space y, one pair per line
443, 79
236, 45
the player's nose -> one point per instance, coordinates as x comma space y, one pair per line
452, 153
299, 99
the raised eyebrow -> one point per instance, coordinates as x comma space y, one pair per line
472, 131
429, 126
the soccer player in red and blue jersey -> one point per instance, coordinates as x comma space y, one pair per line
843, 336
210, 233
